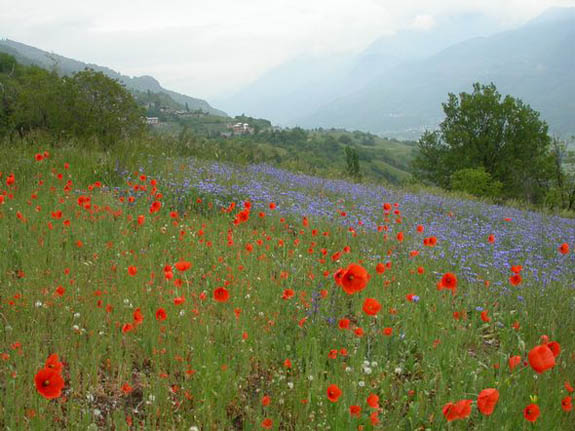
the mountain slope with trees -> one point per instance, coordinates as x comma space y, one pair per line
29, 55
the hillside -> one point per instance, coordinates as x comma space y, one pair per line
532, 63
66, 66
299, 87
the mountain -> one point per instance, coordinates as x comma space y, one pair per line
534, 62
301, 86
66, 66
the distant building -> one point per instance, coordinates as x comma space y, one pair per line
241, 129
152, 120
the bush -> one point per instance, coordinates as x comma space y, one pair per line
476, 182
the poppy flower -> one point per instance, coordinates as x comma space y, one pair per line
132, 270
333, 393
343, 323
541, 358
49, 383
448, 281
267, 424
354, 279
491, 239
531, 412
53, 362
380, 268
566, 404
564, 248
487, 400
387, 331
568, 387
221, 294
554, 347
513, 362
127, 328
459, 410
485, 317
373, 401
126, 388
266, 400
161, 314
371, 306
138, 316
183, 265
355, 411
515, 279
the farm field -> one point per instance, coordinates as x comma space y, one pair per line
176, 294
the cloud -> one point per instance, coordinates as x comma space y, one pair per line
208, 48
423, 22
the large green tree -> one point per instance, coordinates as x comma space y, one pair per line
502, 135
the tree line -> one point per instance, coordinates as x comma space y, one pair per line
87, 104
498, 147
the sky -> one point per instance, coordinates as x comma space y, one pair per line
212, 48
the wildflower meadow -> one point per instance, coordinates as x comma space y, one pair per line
170, 293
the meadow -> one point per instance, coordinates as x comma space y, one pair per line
184, 294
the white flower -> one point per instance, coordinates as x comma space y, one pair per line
38, 304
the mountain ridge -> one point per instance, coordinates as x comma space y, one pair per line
30, 55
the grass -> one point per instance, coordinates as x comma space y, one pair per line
209, 364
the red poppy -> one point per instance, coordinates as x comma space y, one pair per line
420, 228
127, 328
267, 423
491, 239
53, 362
183, 265
514, 361
132, 270
459, 410
515, 279
371, 306
138, 316
566, 404
126, 388
554, 347
333, 393
221, 294
564, 248
161, 314
516, 269
448, 281
355, 411
49, 383
373, 401
380, 268
266, 400
387, 331
485, 317
354, 279
568, 387
343, 323
487, 400
541, 358
531, 412
288, 293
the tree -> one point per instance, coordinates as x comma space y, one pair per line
103, 107
502, 135
352, 163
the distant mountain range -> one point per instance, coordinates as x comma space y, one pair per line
65, 66
397, 85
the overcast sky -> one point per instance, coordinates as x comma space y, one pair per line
210, 48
